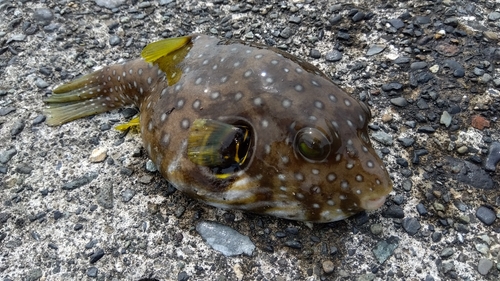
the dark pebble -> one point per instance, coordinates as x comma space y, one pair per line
493, 157
402, 162
6, 110
418, 65
78, 226
486, 215
115, 40
53, 246
76, 183
280, 234
406, 142
129, 112
422, 104
436, 237
105, 127
426, 130
43, 16
17, 127
295, 19
293, 244
421, 209
97, 255
334, 19
422, 20
343, 35
314, 53
6, 155
458, 70
4, 217
105, 196
399, 101
92, 272
333, 56
292, 230
23, 169
57, 215
392, 86
41, 84
182, 276
396, 23
393, 211
375, 49
128, 194
39, 119
402, 60
471, 174
126, 171
359, 16
411, 225
286, 32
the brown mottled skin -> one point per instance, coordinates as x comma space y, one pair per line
274, 93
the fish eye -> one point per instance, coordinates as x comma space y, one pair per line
312, 144
224, 148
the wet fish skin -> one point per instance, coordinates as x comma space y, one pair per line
310, 157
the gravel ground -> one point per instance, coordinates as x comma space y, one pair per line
428, 69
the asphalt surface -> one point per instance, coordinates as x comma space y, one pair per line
428, 69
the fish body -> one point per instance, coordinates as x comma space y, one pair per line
240, 125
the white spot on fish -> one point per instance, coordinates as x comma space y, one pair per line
180, 103
298, 88
286, 103
238, 96
247, 73
214, 67
331, 177
223, 79
332, 98
205, 62
177, 87
163, 92
259, 56
257, 101
139, 71
198, 81
299, 176
318, 104
150, 125
359, 178
264, 123
165, 139
267, 148
150, 80
163, 117
214, 95
285, 159
274, 62
347, 102
185, 123
237, 64
370, 164
196, 104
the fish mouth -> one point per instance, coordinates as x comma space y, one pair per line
373, 204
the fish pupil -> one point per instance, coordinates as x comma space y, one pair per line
234, 151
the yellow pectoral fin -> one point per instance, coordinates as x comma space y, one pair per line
207, 139
132, 124
153, 51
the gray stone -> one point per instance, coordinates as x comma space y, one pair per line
486, 215
225, 239
105, 196
375, 49
484, 266
411, 225
6, 155
383, 137
384, 249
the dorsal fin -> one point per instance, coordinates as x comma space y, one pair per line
167, 54
153, 51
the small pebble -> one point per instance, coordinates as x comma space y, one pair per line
328, 267
98, 155
484, 266
411, 225
375, 49
486, 215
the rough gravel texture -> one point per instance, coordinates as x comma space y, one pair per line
64, 216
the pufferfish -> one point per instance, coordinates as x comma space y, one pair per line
240, 125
